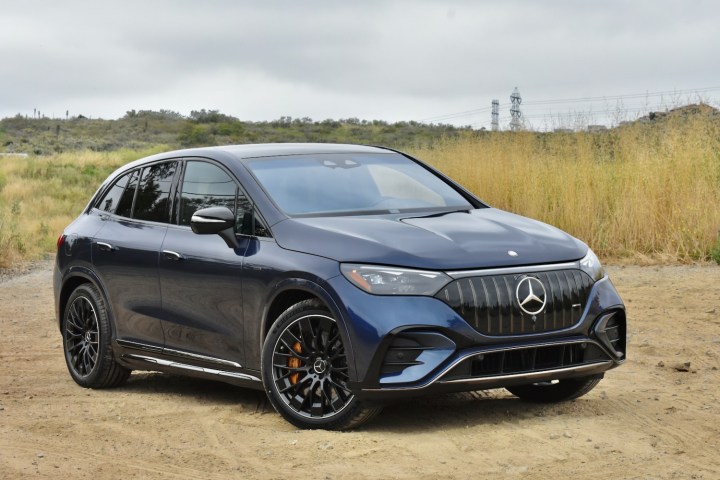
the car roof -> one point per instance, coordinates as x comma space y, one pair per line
256, 150
279, 149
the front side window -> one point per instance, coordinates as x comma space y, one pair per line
153, 196
356, 184
205, 185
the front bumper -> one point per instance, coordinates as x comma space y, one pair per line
408, 346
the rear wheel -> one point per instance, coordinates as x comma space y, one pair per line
559, 391
305, 371
86, 341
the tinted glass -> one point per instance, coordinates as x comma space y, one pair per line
124, 207
353, 183
110, 201
153, 196
205, 185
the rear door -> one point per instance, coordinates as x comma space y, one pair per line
136, 213
200, 276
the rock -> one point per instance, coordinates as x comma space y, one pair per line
40, 455
554, 436
567, 434
682, 367
661, 364
712, 310
325, 446
603, 395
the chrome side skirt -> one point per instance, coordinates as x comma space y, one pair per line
194, 368
204, 358
176, 353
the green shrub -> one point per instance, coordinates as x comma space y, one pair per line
715, 252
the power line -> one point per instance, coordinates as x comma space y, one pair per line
479, 110
622, 97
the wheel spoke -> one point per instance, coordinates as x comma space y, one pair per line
331, 343
338, 386
292, 351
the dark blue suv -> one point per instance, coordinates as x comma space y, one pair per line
334, 277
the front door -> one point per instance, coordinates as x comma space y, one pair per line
200, 276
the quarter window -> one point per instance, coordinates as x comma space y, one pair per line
125, 204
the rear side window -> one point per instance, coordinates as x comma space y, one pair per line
205, 185
109, 202
153, 196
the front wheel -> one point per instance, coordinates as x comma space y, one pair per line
305, 371
558, 391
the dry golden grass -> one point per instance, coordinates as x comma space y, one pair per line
641, 193
40, 196
650, 193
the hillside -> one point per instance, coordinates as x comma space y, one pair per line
143, 129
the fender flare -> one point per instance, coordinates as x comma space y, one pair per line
321, 293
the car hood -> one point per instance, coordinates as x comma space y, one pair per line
459, 240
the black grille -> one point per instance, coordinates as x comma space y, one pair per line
489, 304
615, 330
528, 360
402, 353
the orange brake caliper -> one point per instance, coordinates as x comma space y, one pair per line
294, 362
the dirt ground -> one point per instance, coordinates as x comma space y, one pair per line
657, 416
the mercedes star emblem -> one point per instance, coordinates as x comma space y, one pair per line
531, 295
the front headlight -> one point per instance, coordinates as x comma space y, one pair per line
590, 264
394, 281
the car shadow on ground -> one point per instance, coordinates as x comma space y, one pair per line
463, 410
196, 389
444, 411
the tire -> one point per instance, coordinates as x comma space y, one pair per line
305, 371
561, 391
86, 341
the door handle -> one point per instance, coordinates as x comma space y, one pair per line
170, 255
106, 247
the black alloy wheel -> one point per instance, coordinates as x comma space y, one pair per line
86, 340
82, 336
305, 371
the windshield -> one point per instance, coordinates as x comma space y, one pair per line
341, 184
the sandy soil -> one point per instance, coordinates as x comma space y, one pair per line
658, 416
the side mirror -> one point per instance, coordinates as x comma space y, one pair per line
215, 220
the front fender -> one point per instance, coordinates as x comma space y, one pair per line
322, 292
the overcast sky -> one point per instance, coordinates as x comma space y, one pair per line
389, 60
